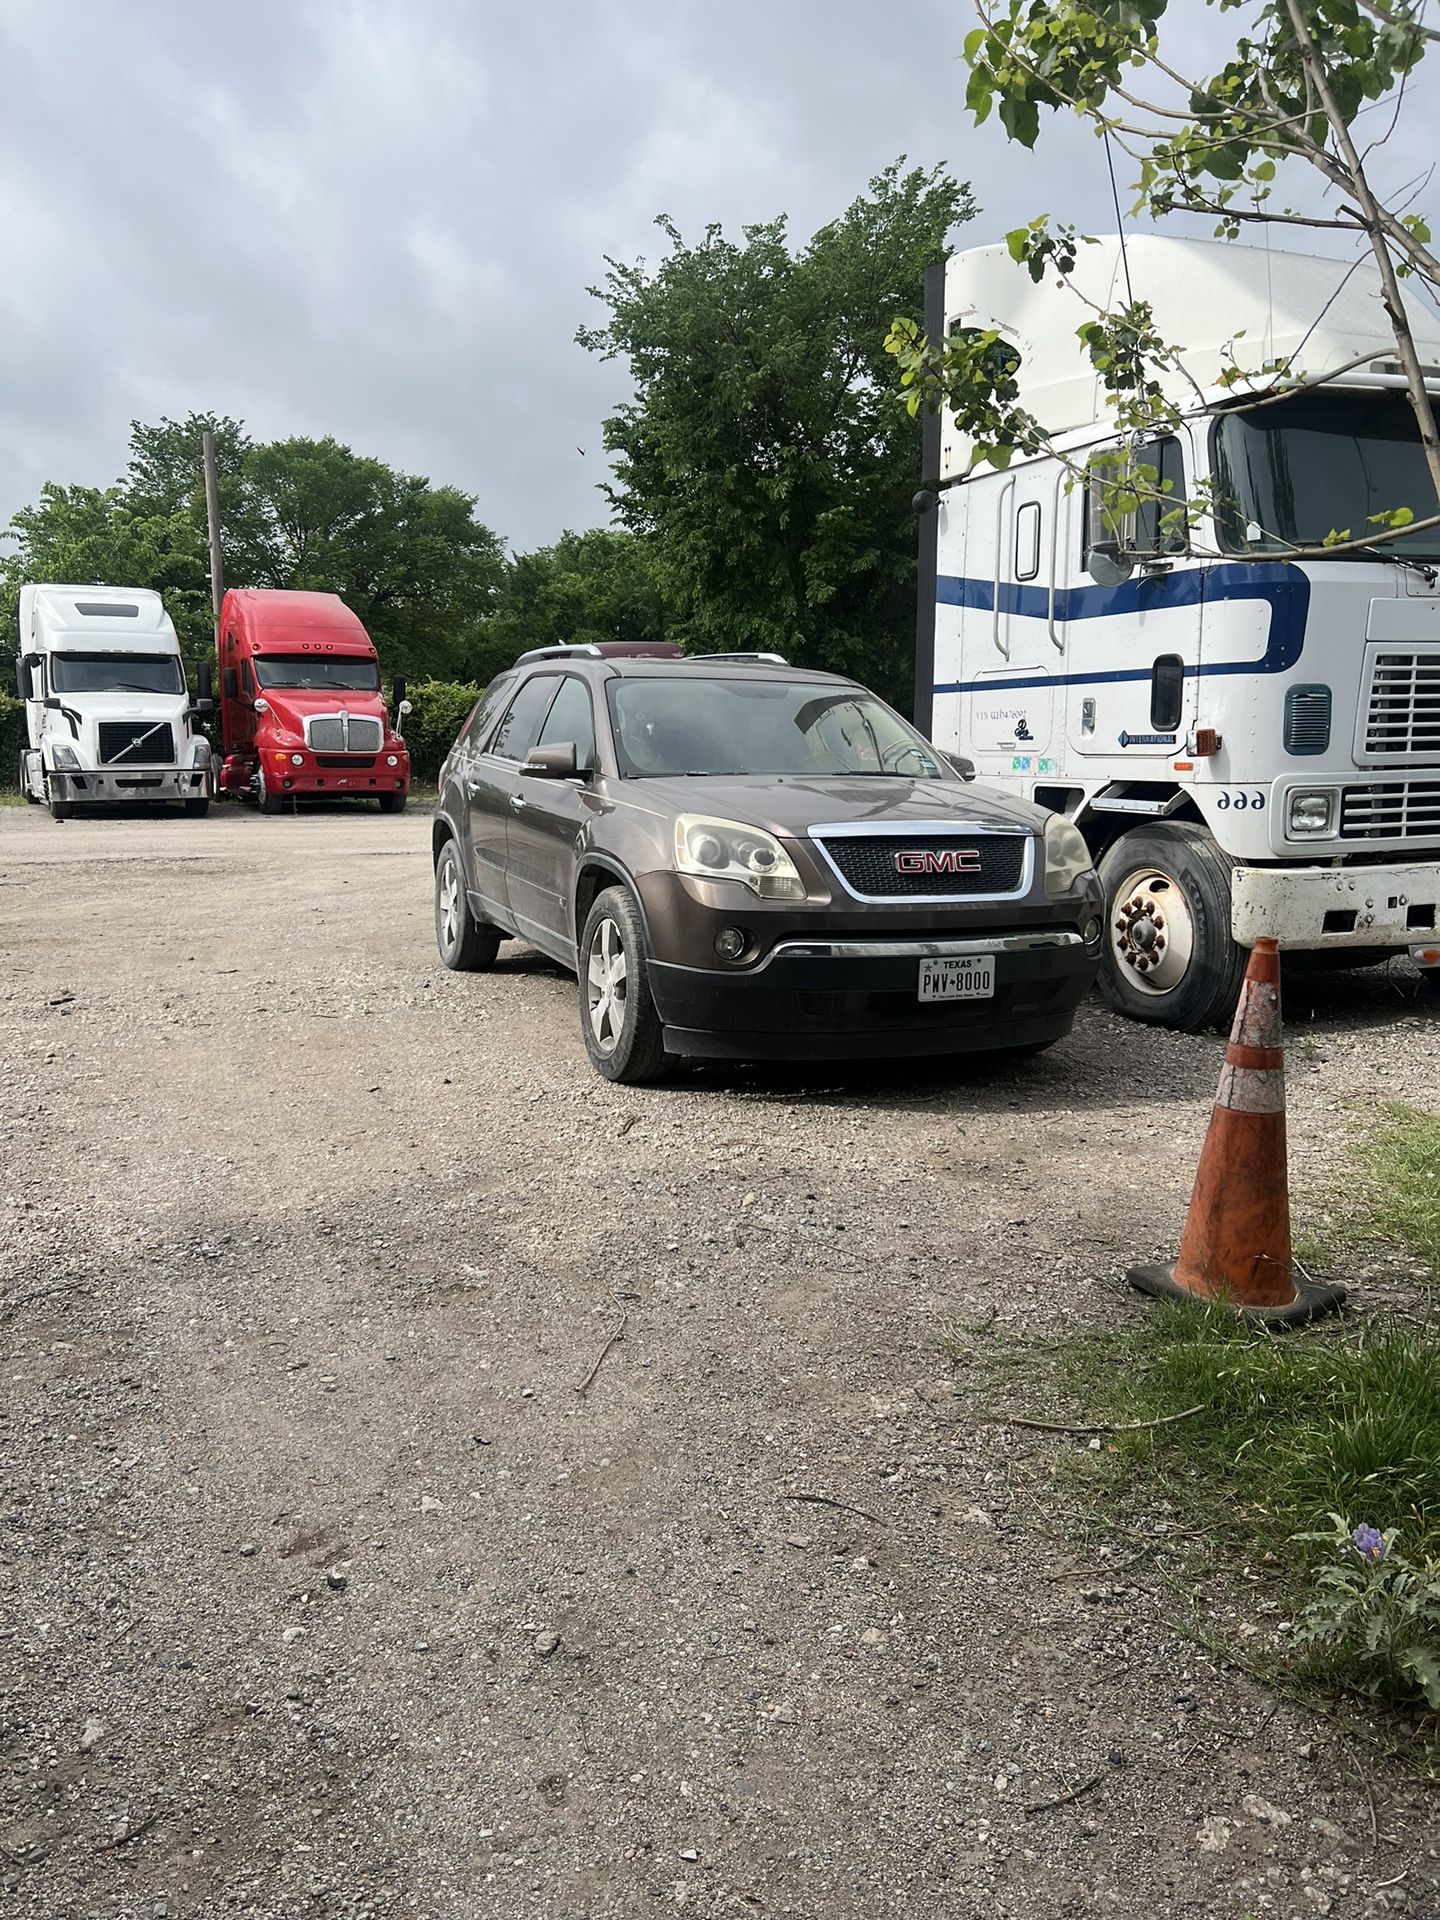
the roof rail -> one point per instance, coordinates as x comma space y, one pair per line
765, 659
604, 650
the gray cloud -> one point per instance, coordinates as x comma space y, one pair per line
378, 219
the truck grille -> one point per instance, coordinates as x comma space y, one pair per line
136, 743
870, 864
1402, 721
343, 733
1396, 810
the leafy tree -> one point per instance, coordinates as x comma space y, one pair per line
411, 559
1288, 98
600, 585
764, 451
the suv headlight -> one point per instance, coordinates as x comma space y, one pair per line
1311, 812
1066, 855
65, 756
729, 850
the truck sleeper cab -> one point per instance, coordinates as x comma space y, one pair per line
300, 704
108, 717
1250, 744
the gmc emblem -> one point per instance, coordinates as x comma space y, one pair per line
952, 860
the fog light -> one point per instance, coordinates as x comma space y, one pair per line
297, 759
1091, 932
392, 760
731, 942
1312, 812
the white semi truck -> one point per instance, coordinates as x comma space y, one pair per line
108, 718
1251, 745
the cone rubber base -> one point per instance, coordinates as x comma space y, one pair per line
1310, 1302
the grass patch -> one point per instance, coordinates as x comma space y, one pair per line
1294, 1428
1402, 1157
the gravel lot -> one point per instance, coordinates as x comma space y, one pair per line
324, 1591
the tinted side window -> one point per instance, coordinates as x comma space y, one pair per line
483, 713
516, 733
572, 721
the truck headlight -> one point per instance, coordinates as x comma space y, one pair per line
1312, 811
729, 850
200, 754
65, 756
1066, 855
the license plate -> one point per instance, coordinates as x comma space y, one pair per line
957, 979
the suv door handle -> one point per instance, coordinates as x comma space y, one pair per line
517, 805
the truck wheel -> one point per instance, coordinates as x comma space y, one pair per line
621, 1028
269, 802
197, 809
1169, 957
59, 809
392, 802
467, 945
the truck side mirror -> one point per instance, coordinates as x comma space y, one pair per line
397, 693
230, 683
405, 706
204, 691
1109, 540
23, 682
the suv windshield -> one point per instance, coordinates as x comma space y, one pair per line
313, 673
694, 724
1323, 463
115, 673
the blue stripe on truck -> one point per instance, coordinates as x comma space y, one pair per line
1285, 589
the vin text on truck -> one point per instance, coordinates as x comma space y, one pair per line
1250, 744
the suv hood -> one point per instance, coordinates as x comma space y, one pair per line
789, 805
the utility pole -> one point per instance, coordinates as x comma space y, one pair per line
212, 515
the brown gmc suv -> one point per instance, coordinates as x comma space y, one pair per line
743, 860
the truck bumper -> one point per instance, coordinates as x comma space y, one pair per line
111, 786
1322, 907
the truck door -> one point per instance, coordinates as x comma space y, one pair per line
1132, 639
1013, 636
546, 817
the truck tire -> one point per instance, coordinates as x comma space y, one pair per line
269, 802
618, 1022
1169, 956
392, 802
467, 945
197, 809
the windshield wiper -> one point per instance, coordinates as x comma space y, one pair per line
1427, 573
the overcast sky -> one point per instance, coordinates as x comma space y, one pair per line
377, 218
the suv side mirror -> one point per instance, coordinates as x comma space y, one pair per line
230, 683
551, 763
959, 764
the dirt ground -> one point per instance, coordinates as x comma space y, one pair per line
326, 1591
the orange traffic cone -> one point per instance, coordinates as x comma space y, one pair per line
1236, 1243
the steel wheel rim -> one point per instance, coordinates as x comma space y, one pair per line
1152, 932
449, 903
607, 986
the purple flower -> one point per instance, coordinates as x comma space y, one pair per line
1369, 1543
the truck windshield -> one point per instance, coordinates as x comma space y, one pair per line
699, 724
115, 673
311, 673
1323, 463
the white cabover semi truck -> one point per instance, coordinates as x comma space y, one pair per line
107, 715
1250, 745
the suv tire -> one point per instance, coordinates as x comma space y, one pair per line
618, 1021
467, 945
1167, 908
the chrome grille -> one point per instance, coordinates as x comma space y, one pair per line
343, 733
1392, 810
1402, 719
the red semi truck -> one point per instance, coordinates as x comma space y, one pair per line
300, 704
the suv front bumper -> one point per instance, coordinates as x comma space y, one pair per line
857, 998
